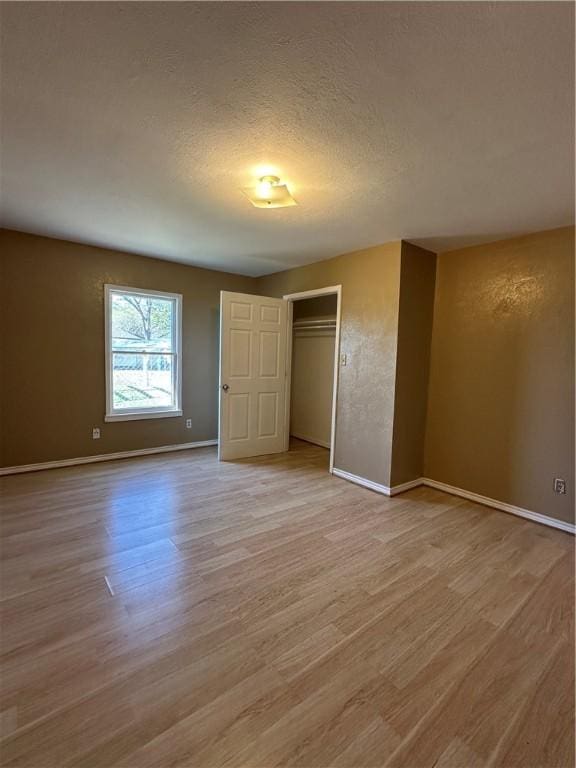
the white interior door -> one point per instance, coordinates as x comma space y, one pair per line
252, 375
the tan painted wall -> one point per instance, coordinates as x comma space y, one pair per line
501, 400
312, 385
418, 274
365, 407
312, 371
320, 306
52, 326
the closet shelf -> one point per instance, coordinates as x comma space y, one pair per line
313, 325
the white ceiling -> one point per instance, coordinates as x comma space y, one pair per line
135, 125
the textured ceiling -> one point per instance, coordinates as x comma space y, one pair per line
135, 125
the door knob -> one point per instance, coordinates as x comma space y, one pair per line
225, 387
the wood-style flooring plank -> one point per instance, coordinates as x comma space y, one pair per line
175, 611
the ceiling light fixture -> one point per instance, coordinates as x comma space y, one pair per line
270, 193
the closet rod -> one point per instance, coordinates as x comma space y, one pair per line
315, 324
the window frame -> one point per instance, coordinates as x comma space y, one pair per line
133, 414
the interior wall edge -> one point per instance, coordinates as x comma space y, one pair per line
414, 339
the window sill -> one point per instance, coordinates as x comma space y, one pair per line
136, 416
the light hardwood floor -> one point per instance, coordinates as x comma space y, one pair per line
174, 611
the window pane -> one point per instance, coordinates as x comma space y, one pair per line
142, 322
142, 381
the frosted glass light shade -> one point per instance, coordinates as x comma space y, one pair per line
269, 193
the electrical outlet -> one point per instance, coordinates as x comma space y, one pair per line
188, 423
343, 359
559, 485
96, 433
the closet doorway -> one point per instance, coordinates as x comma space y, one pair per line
312, 366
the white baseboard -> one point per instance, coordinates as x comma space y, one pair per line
103, 457
406, 486
536, 517
383, 489
312, 440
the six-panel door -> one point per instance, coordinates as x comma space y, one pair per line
252, 375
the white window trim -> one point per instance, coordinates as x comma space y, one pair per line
133, 414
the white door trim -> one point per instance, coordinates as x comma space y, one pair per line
291, 298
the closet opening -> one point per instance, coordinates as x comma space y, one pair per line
312, 366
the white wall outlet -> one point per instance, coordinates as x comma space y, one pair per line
188, 423
343, 358
559, 485
96, 433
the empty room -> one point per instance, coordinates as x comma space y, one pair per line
287, 386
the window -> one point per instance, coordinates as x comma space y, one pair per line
143, 351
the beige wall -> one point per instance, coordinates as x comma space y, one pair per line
370, 282
52, 328
417, 279
320, 306
312, 374
312, 385
501, 399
